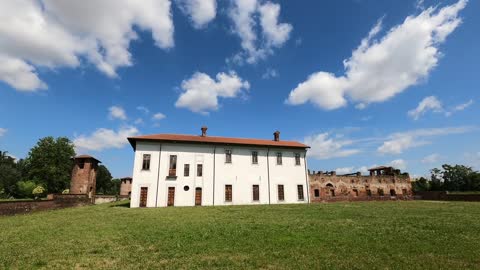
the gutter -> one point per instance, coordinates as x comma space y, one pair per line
158, 174
268, 173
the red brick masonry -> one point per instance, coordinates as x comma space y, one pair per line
57, 202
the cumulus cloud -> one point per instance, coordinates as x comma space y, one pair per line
200, 12
245, 15
117, 112
201, 92
397, 143
380, 69
430, 103
398, 164
158, 116
323, 146
3, 131
344, 170
433, 158
98, 31
104, 138
270, 73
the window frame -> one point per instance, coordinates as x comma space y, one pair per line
316, 193
300, 193
146, 166
228, 193
298, 159
172, 167
228, 156
255, 157
282, 197
186, 170
199, 169
279, 158
256, 192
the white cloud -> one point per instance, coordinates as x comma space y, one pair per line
3, 131
430, 103
397, 143
433, 158
244, 13
201, 12
459, 107
104, 138
344, 170
270, 73
98, 31
381, 69
324, 147
143, 109
138, 121
158, 116
201, 92
117, 112
398, 164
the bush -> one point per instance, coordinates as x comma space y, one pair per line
39, 191
66, 191
25, 188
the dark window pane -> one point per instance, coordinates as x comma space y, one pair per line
228, 193
300, 192
146, 162
186, 170
281, 194
199, 169
256, 193
228, 156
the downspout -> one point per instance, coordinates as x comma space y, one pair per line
306, 176
214, 150
158, 174
268, 175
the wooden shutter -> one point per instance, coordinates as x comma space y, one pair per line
198, 196
171, 196
143, 196
228, 193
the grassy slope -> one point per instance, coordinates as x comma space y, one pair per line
382, 235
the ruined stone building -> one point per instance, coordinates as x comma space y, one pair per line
84, 175
125, 186
383, 183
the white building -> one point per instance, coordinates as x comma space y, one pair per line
188, 170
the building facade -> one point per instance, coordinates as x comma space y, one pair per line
382, 183
185, 170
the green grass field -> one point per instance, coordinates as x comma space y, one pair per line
368, 235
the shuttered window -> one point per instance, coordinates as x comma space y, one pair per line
228, 193
300, 192
256, 193
146, 162
281, 193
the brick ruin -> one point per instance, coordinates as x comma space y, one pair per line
383, 183
84, 176
126, 186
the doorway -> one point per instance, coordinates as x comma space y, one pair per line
198, 196
143, 196
171, 196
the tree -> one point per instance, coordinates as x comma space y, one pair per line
421, 184
9, 175
49, 163
454, 178
104, 180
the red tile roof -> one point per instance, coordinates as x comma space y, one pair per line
214, 140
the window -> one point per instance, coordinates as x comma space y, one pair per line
228, 156
254, 157
200, 170
256, 193
380, 192
317, 193
281, 193
297, 159
228, 193
279, 158
355, 192
172, 171
81, 163
300, 192
393, 193
186, 170
186, 188
146, 162
369, 193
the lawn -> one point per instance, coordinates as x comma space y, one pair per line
362, 235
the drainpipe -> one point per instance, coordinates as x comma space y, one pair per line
214, 150
268, 175
306, 176
158, 174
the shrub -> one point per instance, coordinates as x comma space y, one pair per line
66, 191
25, 188
39, 191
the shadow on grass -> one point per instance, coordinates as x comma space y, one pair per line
125, 204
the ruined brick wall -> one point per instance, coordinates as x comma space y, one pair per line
126, 187
327, 187
55, 202
84, 180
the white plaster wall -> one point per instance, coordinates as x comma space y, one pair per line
241, 174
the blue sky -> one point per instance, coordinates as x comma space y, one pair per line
362, 82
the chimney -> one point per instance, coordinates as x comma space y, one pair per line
204, 131
276, 136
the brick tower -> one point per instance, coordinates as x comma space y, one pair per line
126, 186
84, 175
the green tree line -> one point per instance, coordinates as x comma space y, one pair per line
46, 169
449, 178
